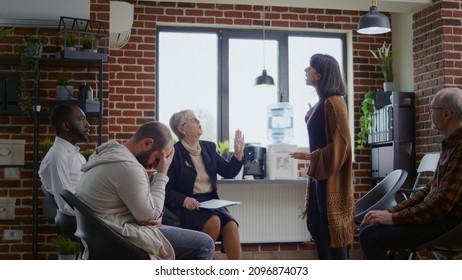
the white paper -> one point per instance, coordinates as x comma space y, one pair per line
217, 203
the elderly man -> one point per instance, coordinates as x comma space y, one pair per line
433, 210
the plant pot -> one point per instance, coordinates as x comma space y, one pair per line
388, 86
67, 257
91, 50
64, 92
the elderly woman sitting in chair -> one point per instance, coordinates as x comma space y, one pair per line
193, 179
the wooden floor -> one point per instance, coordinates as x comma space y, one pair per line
284, 255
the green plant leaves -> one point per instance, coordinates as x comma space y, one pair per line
365, 121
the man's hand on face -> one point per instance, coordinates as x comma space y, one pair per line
164, 161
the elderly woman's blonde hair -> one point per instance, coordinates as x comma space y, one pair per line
178, 120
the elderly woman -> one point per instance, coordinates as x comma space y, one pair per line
193, 179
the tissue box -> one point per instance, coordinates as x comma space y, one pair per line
12, 152
7, 208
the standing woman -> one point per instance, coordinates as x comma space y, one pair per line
193, 179
329, 197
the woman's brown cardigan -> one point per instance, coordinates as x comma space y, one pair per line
334, 163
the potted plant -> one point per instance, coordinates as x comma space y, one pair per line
365, 121
64, 90
30, 53
67, 248
46, 145
385, 59
87, 153
90, 43
70, 40
223, 148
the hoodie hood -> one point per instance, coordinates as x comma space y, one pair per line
109, 152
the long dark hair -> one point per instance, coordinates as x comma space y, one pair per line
331, 81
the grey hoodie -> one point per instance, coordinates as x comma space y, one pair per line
116, 187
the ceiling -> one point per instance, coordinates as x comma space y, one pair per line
406, 6
48, 12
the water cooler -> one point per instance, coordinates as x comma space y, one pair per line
279, 164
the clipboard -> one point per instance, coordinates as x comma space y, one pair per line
217, 203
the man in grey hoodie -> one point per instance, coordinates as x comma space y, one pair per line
116, 186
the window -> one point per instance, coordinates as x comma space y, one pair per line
213, 72
187, 78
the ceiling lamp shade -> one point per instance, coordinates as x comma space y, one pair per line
264, 79
373, 22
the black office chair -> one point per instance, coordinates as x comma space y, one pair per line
100, 242
448, 245
382, 196
65, 224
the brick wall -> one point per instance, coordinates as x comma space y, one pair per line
437, 47
129, 88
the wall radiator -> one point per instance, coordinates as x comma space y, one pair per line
269, 209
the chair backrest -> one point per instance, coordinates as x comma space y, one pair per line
49, 196
449, 244
65, 224
102, 242
428, 163
382, 196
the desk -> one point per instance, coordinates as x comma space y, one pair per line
269, 209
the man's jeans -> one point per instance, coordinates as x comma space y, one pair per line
377, 240
189, 244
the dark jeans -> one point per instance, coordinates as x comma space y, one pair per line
318, 226
377, 240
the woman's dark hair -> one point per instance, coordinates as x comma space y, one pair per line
331, 81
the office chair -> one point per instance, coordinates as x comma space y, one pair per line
100, 242
448, 245
65, 224
382, 196
170, 218
429, 163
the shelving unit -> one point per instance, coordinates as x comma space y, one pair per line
96, 64
81, 28
392, 135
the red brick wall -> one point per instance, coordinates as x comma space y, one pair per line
437, 47
129, 88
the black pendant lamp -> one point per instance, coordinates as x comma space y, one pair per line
264, 79
373, 22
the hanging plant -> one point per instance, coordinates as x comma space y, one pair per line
4, 31
365, 121
30, 53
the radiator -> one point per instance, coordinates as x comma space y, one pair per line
269, 209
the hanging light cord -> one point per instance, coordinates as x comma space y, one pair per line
264, 38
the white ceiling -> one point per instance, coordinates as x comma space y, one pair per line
394, 6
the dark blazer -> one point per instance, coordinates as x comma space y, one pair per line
182, 173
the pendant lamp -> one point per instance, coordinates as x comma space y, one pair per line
264, 79
373, 22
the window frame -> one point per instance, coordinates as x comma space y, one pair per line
224, 35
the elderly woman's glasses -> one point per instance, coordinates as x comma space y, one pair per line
196, 120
